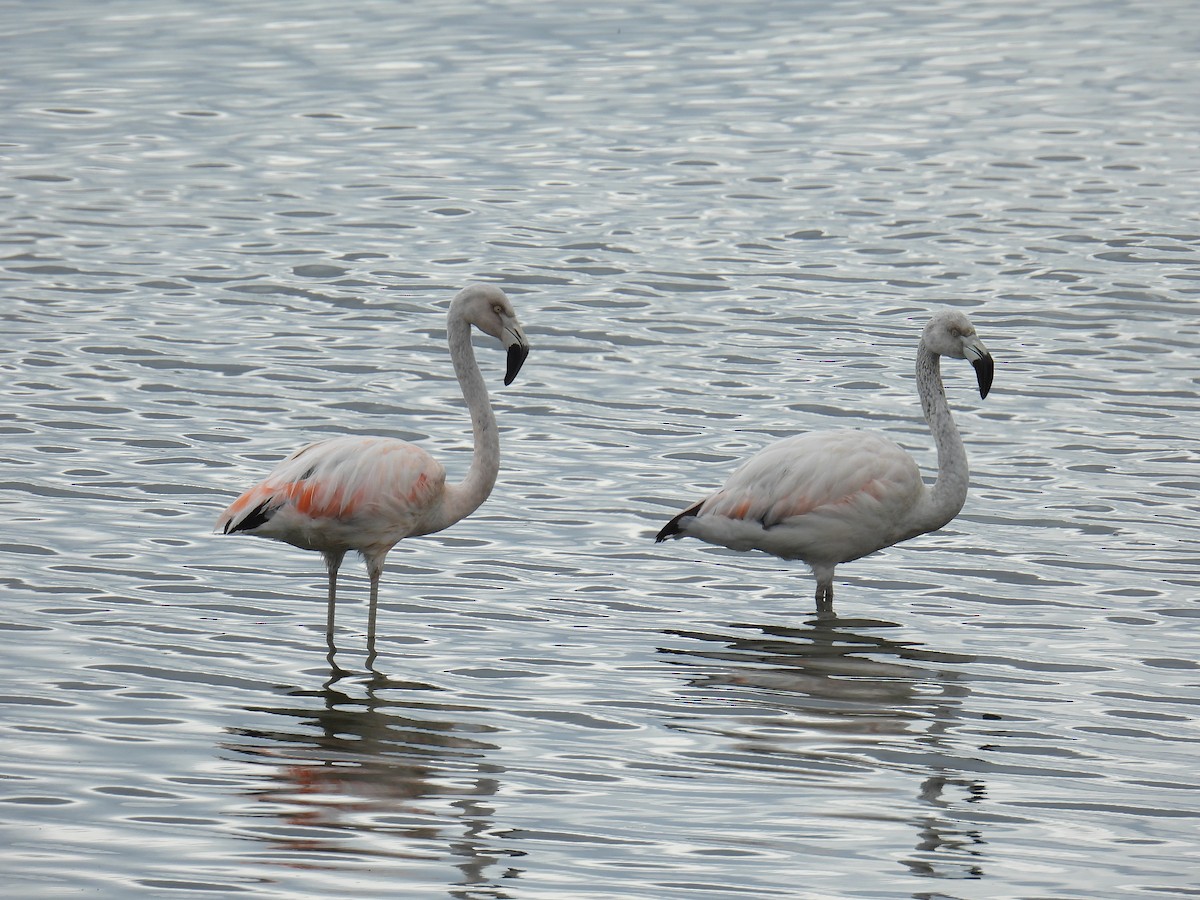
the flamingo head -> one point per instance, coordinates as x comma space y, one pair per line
950, 333
488, 308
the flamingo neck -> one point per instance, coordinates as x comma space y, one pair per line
942, 502
464, 498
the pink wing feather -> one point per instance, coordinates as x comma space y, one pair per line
798, 475
342, 493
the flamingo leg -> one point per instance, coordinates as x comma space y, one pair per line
824, 602
333, 561
824, 596
374, 572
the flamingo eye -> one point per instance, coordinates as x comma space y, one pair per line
498, 309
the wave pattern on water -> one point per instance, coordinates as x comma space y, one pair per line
229, 230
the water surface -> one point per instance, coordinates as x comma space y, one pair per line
228, 230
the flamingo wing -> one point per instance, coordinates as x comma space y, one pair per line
343, 493
830, 496
801, 474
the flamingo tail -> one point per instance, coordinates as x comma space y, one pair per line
672, 528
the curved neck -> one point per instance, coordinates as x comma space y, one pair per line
465, 497
942, 502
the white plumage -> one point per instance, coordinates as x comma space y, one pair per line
832, 497
369, 493
345, 493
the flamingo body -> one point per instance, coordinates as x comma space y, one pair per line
807, 496
345, 493
369, 493
831, 497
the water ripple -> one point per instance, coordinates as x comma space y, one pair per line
227, 233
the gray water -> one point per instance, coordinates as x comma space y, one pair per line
229, 229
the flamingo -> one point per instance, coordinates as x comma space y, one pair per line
835, 496
369, 493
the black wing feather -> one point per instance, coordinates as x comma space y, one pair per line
672, 527
260, 515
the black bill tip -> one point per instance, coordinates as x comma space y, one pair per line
516, 359
985, 368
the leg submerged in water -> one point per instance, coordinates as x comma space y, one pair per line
333, 562
375, 573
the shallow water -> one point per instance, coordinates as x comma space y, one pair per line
230, 229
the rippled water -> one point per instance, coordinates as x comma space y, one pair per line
230, 228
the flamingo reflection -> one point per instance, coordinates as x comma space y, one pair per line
381, 778
840, 696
